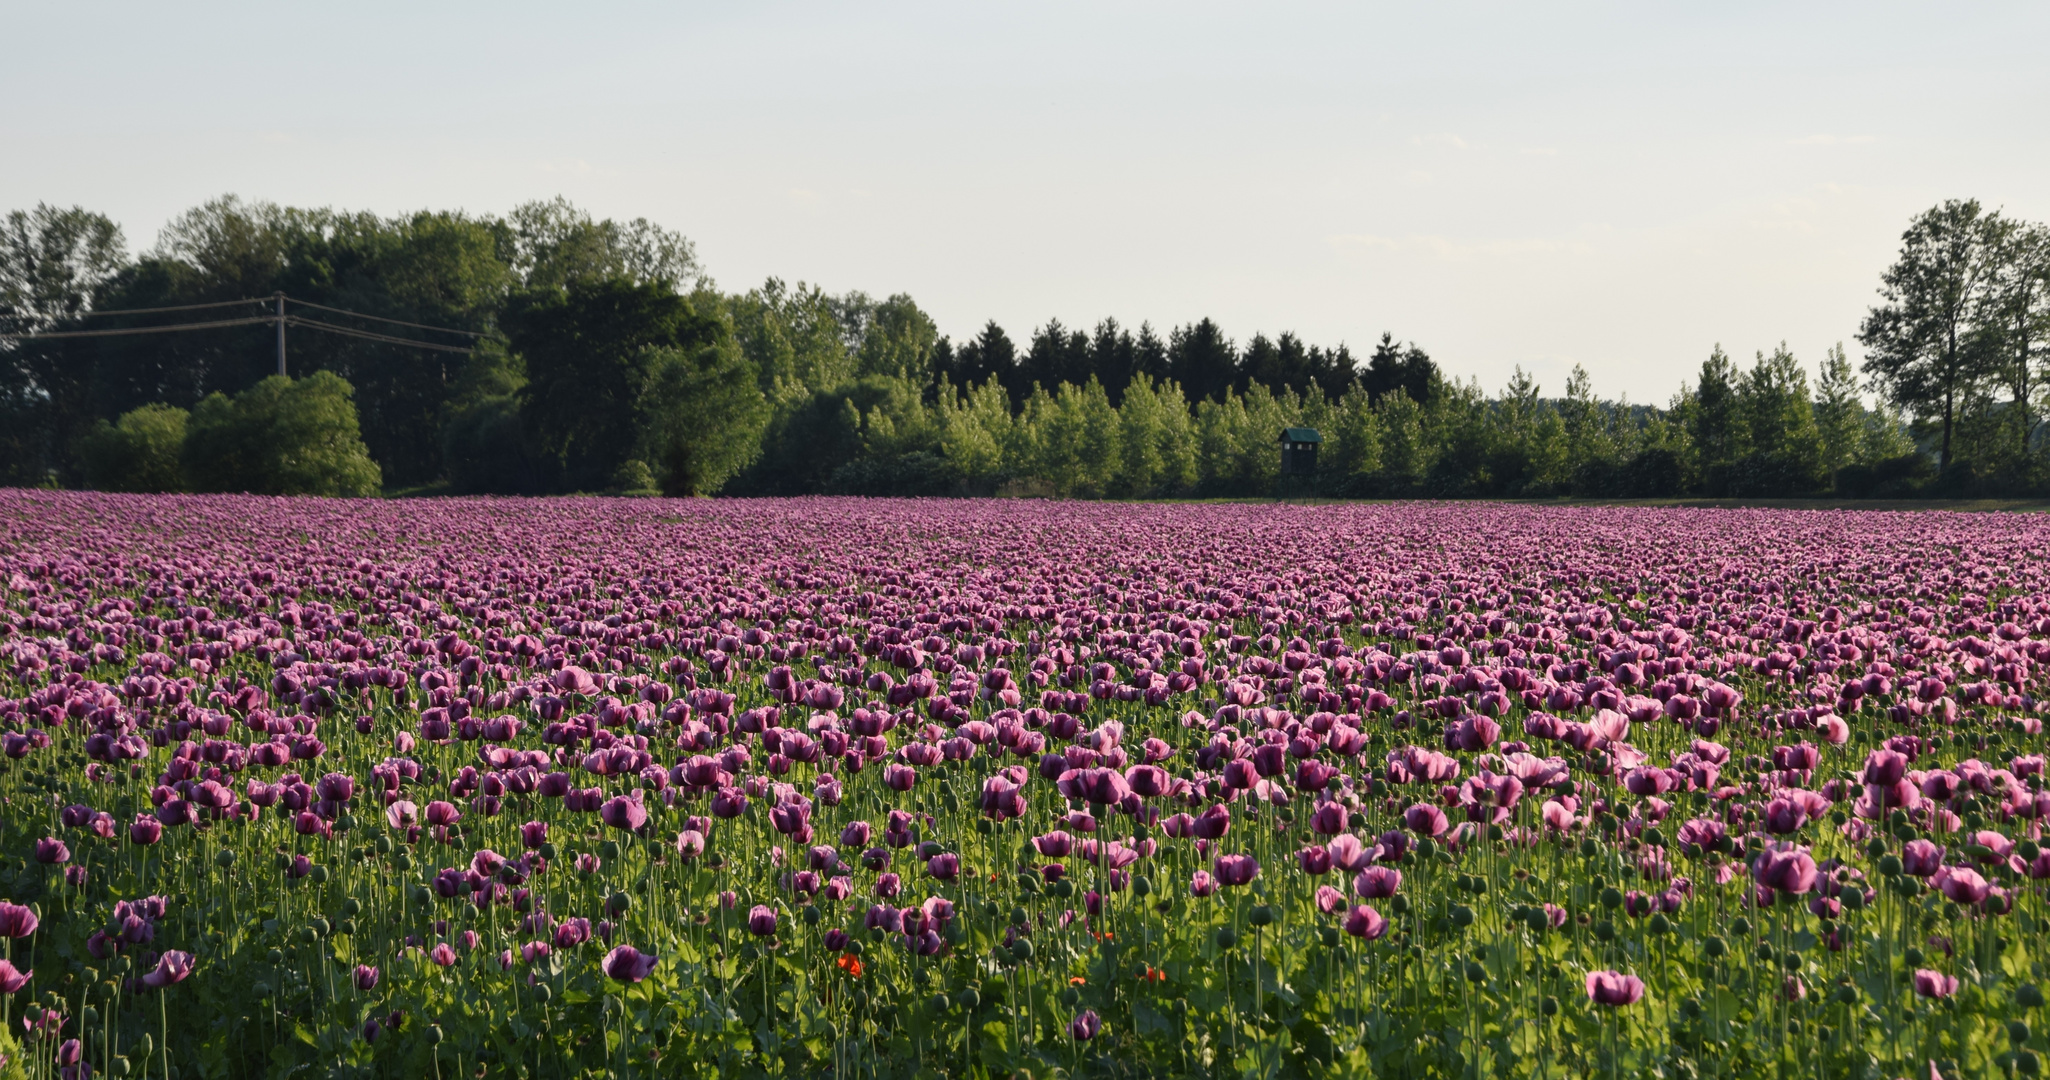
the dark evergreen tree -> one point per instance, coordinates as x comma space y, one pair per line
1400, 367
1113, 358
1202, 359
1058, 355
987, 355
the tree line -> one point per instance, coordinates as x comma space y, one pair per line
606, 359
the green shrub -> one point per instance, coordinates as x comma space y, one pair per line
281, 437
138, 452
1906, 476
700, 417
633, 477
486, 449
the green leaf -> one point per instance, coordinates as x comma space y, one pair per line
2014, 963
1147, 1020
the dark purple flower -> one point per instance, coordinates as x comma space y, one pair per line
1235, 870
1213, 823
17, 920
1377, 882
729, 802
1921, 858
171, 968
1365, 923
1425, 820
628, 965
1086, 1026
624, 812
145, 829
1788, 870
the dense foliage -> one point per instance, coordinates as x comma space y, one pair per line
280, 437
606, 360
864, 788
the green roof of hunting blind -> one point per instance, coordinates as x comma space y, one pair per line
1301, 434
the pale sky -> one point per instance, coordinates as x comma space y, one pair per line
1618, 185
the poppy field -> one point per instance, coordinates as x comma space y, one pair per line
849, 788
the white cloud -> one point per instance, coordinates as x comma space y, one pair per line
1834, 140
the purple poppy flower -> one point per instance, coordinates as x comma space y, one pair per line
17, 920
145, 829
1235, 870
1788, 870
1613, 988
1213, 823
1377, 882
171, 968
1365, 923
729, 802
1425, 820
623, 812
628, 965
1929, 984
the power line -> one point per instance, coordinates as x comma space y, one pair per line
135, 330
294, 320
155, 310
380, 318
280, 321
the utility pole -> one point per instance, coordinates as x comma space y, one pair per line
281, 333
